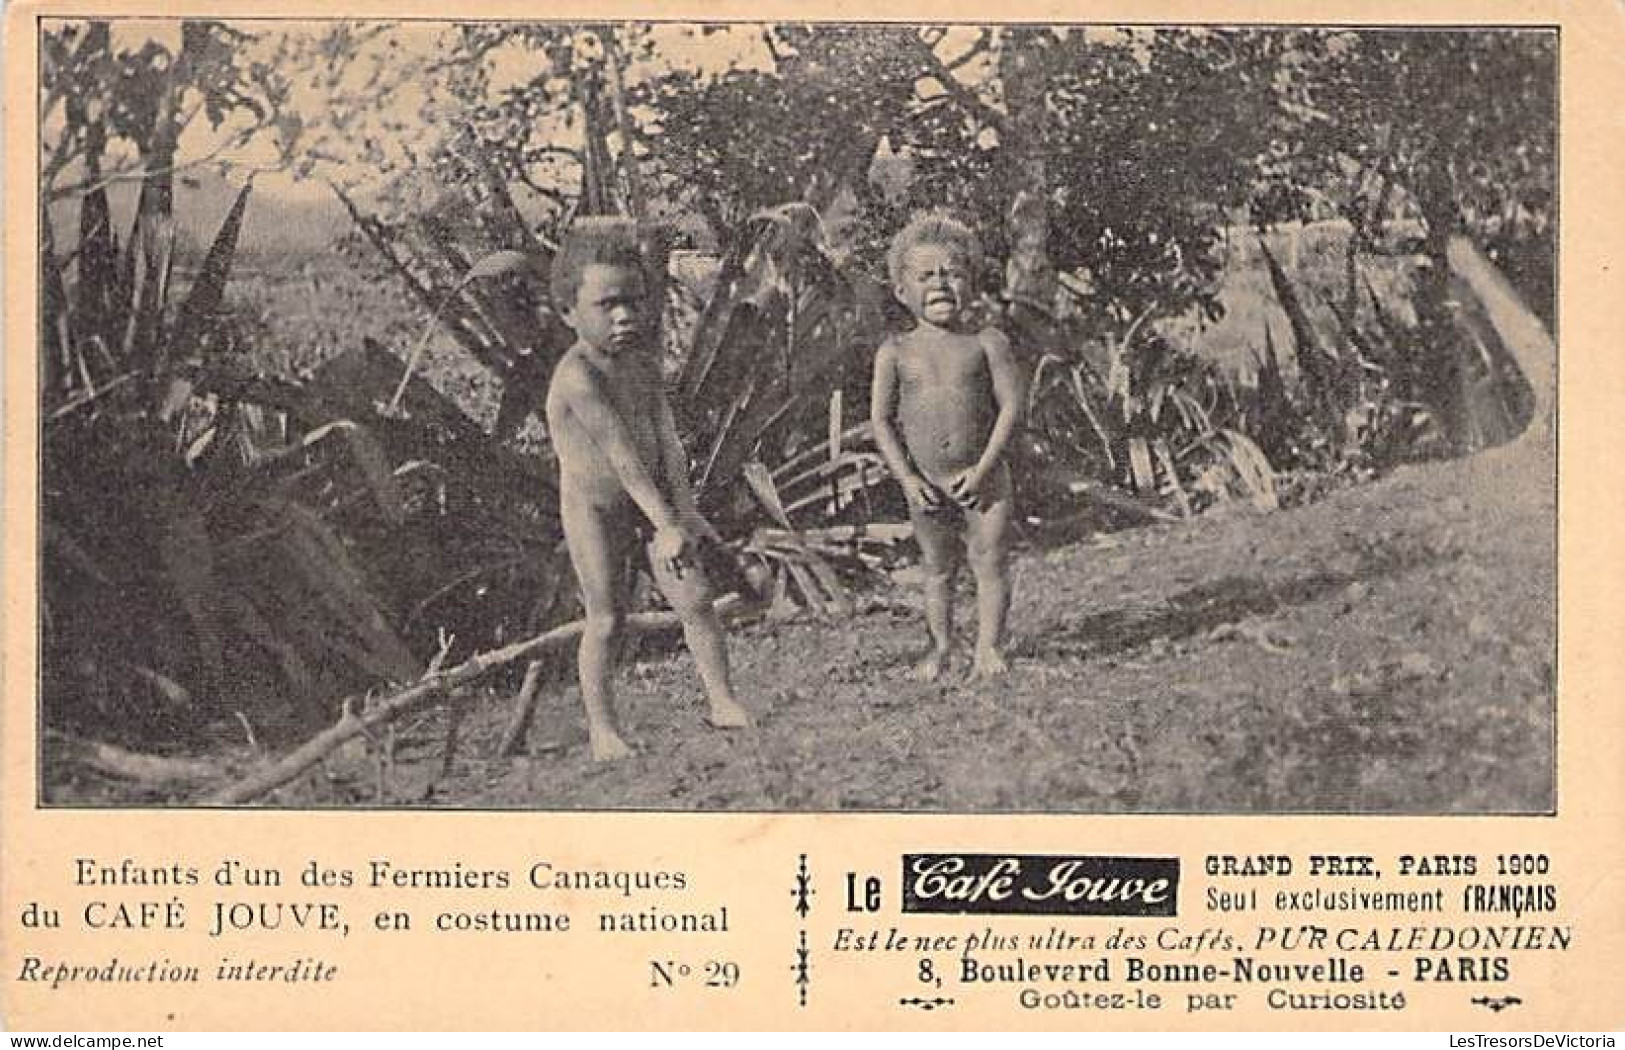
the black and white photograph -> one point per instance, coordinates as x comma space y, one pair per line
805, 417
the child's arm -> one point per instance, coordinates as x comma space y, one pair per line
1009, 391
674, 461
591, 408
882, 396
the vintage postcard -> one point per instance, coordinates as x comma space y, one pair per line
706, 517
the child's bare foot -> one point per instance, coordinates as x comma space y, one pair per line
930, 669
729, 715
990, 663
607, 745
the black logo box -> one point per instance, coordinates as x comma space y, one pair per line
1039, 884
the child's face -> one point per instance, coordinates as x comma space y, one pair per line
934, 282
608, 313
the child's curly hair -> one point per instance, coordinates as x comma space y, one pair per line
597, 241
933, 227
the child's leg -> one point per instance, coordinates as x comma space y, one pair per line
690, 595
987, 539
596, 552
939, 561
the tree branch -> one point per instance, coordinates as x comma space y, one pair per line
556, 196
133, 765
137, 173
535, 153
984, 42
430, 688
95, 38
474, 54
938, 70
773, 48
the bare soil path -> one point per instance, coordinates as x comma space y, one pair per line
1389, 649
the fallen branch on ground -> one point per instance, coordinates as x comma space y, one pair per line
425, 691
133, 765
524, 709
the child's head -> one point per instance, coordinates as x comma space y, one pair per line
938, 229
933, 262
596, 241
599, 282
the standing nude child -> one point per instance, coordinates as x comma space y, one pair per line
623, 474
957, 394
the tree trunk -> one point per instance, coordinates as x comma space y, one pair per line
596, 167
1029, 276
156, 208
630, 176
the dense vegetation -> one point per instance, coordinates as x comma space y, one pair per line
241, 532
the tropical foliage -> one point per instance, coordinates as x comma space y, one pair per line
226, 546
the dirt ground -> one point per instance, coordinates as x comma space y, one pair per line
1389, 649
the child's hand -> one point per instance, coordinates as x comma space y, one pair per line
966, 488
669, 548
921, 493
